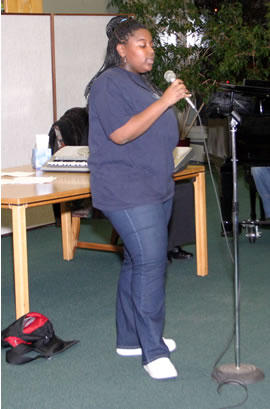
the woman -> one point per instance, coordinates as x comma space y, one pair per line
132, 134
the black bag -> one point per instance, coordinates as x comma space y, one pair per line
33, 332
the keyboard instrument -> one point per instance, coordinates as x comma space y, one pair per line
75, 159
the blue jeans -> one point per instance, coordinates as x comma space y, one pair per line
140, 308
261, 177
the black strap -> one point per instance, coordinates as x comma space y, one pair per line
16, 355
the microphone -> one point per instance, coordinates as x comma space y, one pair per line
171, 77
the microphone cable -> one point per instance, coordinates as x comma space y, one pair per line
215, 189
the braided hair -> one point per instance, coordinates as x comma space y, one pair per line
118, 31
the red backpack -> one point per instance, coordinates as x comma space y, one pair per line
33, 332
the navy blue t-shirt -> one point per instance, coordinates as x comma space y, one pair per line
138, 172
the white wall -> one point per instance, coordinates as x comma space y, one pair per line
80, 47
26, 96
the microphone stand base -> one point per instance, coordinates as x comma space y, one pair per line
245, 374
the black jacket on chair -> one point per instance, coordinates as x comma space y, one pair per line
71, 129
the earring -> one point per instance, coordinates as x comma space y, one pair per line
124, 60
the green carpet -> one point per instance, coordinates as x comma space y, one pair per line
79, 298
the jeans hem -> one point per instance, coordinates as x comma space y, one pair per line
157, 357
128, 347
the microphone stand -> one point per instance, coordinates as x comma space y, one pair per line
236, 373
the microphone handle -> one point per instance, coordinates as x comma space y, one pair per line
191, 103
187, 99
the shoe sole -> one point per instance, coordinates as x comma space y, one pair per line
161, 369
168, 378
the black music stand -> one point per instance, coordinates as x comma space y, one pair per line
236, 373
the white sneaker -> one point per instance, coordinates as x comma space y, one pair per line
161, 368
138, 351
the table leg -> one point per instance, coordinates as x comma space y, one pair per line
20, 260
67, 234
200, 222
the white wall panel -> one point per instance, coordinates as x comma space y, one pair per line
80, 47
26, 85
26, 98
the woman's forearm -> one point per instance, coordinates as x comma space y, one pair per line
139, 123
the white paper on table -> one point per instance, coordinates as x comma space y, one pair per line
27, 180
17, 174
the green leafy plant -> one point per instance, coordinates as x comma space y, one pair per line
230, 48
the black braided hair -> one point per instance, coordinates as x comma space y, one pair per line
118, 31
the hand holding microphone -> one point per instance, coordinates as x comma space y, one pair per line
171, 77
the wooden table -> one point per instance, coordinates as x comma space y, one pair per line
69, 187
